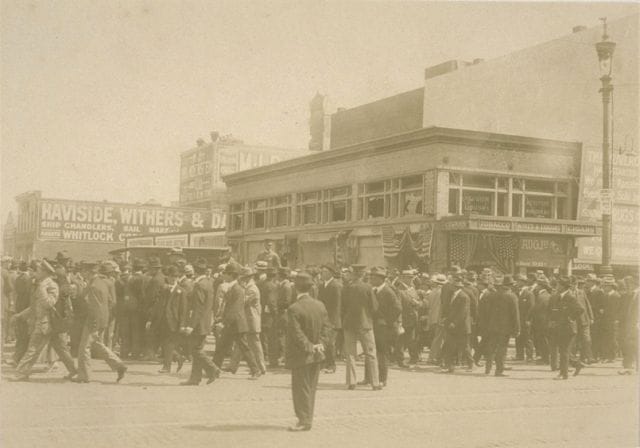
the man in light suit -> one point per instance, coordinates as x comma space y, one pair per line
38, 316
330, 294
253, 311
99, 300
358, 309
234, 322
307, 335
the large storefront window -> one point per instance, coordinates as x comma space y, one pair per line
280, 211
236, 216
403, 196
501, 196
309, 208
258, 214
375, 200
337, 205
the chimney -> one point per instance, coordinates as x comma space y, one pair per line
578, 28
200, 142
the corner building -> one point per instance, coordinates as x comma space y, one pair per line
429, 197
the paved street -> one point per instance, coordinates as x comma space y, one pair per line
420, 407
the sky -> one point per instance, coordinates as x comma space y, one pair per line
98, 98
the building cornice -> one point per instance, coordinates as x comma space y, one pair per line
398, 142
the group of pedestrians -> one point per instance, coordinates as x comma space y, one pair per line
268, 315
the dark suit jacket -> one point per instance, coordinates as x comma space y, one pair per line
389, 307
564, 312
24, 288
587, 316
458, 320
331, 296
268, 301
484, 311
504, 318
152, 292
525, 304
175, 308
233, 314
201, 301
307, 325
358, 306
285, 296
98, 298
597, 300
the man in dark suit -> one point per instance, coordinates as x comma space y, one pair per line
583, 338
170, 315
358, 308
130, 331
457, 325
234, 322
330, 294
23, 288
199, 325
503, 322
98, 300
386, 320
564, 312
307, 335
524, 342
153, 286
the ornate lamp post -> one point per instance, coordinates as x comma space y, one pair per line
605, 50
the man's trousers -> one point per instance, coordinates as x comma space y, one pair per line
304, 383
368, 343
37, 343
93, 340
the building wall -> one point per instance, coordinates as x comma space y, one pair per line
552, 91
388, 116
408, 161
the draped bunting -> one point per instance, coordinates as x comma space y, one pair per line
420, 244
501, 249
462, 246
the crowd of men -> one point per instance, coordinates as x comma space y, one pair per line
146, 311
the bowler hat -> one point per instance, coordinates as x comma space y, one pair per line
106, 267
154, 263
331, 268
304, 277
246, 271
378, 271
233, 269
172, 271
507, 280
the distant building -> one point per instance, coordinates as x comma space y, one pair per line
202, 168
88, 230
429, 197
550, 91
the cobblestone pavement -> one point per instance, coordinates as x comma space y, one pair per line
418, 408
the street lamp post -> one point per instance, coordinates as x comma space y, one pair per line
605, 50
